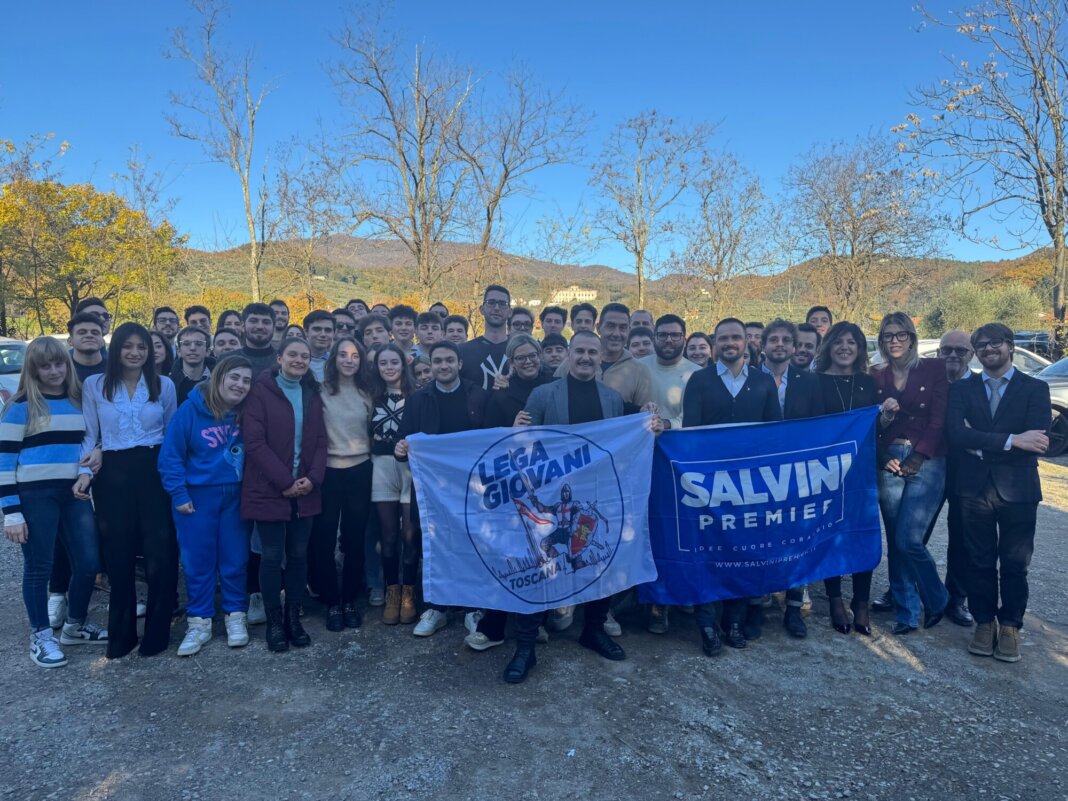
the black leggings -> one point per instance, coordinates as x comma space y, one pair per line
346, 503
396, 522
861, 587
288, 538
134, 514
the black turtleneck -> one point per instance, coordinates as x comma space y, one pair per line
583, 401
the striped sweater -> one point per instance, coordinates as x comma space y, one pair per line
46, 458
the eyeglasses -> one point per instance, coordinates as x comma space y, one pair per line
900, 336
993, 344
107, 315
947, 350
523, 326
665, 337
526, 358
496, 304
345, 327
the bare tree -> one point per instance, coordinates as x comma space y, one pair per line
998, 130
406, 122
526, 131
732, 233
642, 171
858, 215
562, 238
222, 116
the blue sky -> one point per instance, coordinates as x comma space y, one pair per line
777, 76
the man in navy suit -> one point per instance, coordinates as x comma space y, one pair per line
729, 391
997, 424
800, 397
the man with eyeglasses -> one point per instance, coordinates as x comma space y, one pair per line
96, 307
521, 321
165, 320
483, 358
997, 426
344, 323
191, 367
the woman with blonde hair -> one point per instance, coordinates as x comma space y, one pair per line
44, 496
913, 394
201, 463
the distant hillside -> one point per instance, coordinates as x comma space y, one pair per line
382, 270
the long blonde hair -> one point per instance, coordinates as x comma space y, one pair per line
41, 351
904, 321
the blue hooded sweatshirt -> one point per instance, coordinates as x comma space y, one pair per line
198, 450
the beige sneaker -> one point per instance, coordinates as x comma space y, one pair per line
1008, 647
982, 643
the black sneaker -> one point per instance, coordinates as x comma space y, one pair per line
335, 621
351, 615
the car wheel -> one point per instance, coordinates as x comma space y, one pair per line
1058, 433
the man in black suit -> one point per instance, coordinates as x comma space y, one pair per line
800, 396
728, 391
997, 426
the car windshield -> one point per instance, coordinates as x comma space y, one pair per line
1057, 368
11, 356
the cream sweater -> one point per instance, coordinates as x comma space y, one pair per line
348, 440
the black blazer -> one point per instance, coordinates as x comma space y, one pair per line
1025, 406
706, 400
421, 409
804, 395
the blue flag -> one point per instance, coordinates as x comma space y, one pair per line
533, 518
742, 511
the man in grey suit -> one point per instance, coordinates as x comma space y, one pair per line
578, 397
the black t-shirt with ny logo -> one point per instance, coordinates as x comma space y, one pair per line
482, 361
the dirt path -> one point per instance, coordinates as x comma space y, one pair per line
379, 714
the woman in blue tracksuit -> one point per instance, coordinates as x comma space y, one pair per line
201, 463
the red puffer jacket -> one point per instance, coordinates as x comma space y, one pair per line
267, 424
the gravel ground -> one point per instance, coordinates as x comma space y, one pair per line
379, 714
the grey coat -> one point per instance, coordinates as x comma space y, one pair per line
547, 404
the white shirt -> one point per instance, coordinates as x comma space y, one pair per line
733, 383
125, 422
669, 385
781, 384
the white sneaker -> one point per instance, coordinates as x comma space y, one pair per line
256, 613
236, 630
83, 634
611, 627
477, 641
561, 618
142, 609
198, 633
430, 622
471, 620
376, 596
57, 609
543, 635
806, 600
45, 651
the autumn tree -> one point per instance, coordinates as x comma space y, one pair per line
399, 155
997, 130
730, 235
644, 168
222, 115
858, 215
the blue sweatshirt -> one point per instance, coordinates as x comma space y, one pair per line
198, 450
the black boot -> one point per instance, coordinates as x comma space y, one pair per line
795, 624
294, 630
351, 615
276, 631
711, 644
734, 637
334, 619
524, 659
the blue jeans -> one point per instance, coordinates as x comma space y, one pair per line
908, 504
45, 509
214, 542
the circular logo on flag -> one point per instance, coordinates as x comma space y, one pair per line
544, 512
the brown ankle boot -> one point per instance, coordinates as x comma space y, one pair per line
407, 604
1008, 647
391, 611
982, 643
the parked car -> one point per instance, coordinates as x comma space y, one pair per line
1024, 360
1056, 375
1037, 341
12, 354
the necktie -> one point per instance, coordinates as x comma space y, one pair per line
995, 385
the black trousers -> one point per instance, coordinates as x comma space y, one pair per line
956, 560
999, 538
346, 504
288, 539
134, 515
594, 614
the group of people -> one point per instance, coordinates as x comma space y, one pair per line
269, 460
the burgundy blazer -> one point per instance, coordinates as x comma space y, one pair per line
267, 424
922, 417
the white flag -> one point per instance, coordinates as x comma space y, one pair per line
527, 519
